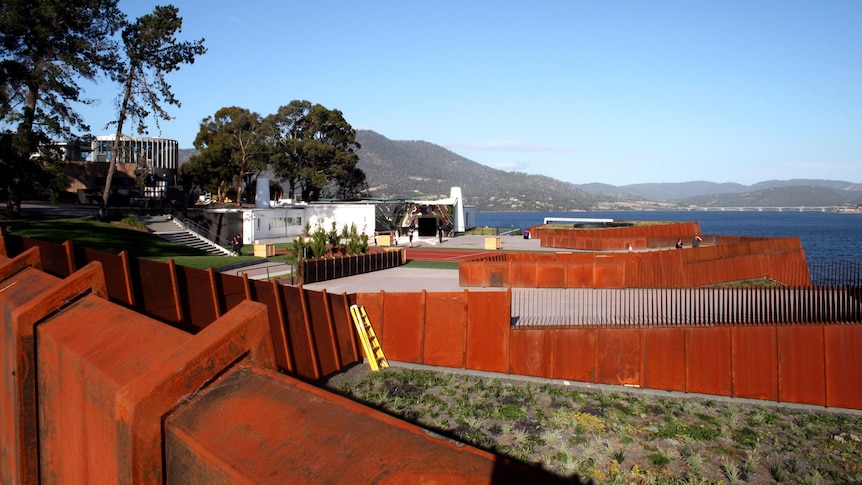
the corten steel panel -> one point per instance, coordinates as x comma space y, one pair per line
524, 275
844, 366
18, 426
755, 365
610, 275
156, 298
530, 352
579, 275
574, 354
801, 365
28, 297
325, 343
664, 358
298, 433
344, 333
496, 274
373, 303
116, 274
57, 259
403, 326
708, 361
618, 354
269, 293
230, 290
86, 355
299, 336
445, 329
470, 273
109, 384
488, 324
197, 296
551, 275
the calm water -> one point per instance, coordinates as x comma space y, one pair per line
826, 236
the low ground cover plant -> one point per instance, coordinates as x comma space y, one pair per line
616, 436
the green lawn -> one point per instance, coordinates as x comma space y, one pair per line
108, 238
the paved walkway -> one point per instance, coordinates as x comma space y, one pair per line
408, 279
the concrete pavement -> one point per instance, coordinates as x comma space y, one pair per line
404, 279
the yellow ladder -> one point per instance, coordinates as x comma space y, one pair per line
370, 344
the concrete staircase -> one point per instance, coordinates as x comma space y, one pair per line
172, 230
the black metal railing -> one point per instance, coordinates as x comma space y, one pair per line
835, 273
684, 306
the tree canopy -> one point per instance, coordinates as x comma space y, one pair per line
232, 143
46, 49
313, 148
151, 51
309, 148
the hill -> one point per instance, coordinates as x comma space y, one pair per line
418, 169
421, 170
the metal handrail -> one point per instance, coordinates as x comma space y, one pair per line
198, 229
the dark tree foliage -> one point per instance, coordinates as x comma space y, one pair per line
313, 148
46, 49
232, 143
151, 51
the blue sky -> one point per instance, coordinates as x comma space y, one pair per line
617, 92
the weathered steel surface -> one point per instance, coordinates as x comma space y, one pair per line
843, 367
708, 354
574, 354
801, 364
27, 297
108, 376
619, 352
446, 329
254, 426
404, 337
488, 331
755, 358
198, 300
664, 359
299, 335
528, 352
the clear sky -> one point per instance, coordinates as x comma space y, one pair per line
617, 92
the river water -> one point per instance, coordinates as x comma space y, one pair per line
825, 236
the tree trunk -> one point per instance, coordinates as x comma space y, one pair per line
112, 164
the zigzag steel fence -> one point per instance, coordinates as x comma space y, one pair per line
683, 306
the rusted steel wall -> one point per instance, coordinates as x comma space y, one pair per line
311, 331
843, 346
809, 364
780, 259
453, 329
96, 392
616, 238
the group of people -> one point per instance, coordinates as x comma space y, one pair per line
694, 242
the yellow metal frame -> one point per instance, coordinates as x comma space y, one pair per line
370, 344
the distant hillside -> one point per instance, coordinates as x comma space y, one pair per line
782, 196
418, 169
666, 192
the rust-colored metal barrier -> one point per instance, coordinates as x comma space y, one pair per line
97, 392
311, 330
804, 362
780, 259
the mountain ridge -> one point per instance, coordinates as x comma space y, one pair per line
416, 169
